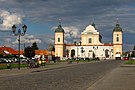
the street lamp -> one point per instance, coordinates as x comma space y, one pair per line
82, 51
111, 50
19, 33
95, 48
50, 49
77, 49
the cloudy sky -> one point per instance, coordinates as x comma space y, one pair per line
42, 17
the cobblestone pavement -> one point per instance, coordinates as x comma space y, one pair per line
15, 71
76, 77
121, 78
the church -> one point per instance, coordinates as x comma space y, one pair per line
90, 45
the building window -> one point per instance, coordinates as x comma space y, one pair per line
117, 39
58, 39
90, 40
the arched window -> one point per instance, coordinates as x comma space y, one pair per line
58, 39
72, 53
106, 53
117, 38
90, 40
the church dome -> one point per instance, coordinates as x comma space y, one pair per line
90, 27
59, 29
117, 28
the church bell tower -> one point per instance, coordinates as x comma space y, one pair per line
117, 42
59, 41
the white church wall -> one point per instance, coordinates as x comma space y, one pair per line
99, 51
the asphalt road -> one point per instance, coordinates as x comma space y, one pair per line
76, 77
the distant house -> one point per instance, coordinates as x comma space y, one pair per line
7, 51
43, 53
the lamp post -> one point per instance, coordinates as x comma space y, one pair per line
50, 49
19, 34
110, 53
77, 49
82, 50
95, 48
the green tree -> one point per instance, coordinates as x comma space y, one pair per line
34, 46
29, 52
53, 49
133, 53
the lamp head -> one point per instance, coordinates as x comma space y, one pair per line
13, 28
24, 28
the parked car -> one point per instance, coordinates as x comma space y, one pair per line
80, 58
3, 60
133, 58
126, 58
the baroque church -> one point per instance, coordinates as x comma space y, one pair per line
90, 45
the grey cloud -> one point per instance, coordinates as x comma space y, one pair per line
27, 39
78, 13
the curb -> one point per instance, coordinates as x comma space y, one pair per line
127, 65
18, 72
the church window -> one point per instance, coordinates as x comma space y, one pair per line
90, 40
117, 38
58, 39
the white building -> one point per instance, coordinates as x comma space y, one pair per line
90, 45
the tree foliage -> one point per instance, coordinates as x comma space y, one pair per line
29, 52
34, 46
133, 53
53, 49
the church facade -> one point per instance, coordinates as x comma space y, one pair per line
90, 45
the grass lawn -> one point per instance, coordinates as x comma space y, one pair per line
130, 62
15, 65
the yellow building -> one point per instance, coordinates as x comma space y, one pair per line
117, 42
90, 44
59, 41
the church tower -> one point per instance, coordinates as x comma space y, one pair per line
117, 42
59, 41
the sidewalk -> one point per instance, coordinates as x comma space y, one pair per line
121, 78
15, 71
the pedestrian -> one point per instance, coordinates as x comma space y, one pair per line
39, 62
28, 63
43, 63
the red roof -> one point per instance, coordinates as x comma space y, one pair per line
10, 51
21, 52
7, 50
43, 52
